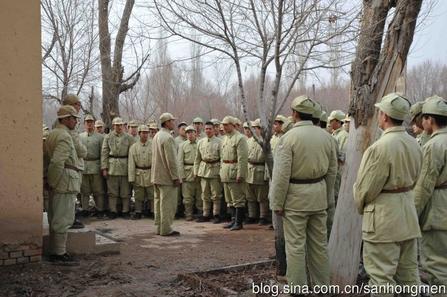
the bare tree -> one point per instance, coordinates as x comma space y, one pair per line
377, 67
427, 79
113, 81
265, 36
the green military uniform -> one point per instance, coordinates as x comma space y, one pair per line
140, 163
64, 179
190, 182
114, 158
431, 200
164, 172
302, 186
422, 138
382, 193
257, 179
91, 176
341, 136
179, 140
207, 167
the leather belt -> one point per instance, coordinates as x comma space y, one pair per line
257, 163
211, 162
117, 157
230, 161
188, 164
72, 167
306, 181
441, 186
91, 159
398, 190
143, 168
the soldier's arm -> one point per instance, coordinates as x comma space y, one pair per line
105, 151
281, 176
57, 162
198, 159
330, 178
81, 149
426, 182
171, 158
131, 164
180, 158
242, 159
371, 178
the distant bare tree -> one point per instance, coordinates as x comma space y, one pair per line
427, 79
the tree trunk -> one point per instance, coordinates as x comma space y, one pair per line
375, 72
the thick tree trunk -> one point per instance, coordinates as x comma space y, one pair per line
375, 72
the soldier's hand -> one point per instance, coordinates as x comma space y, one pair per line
177, 182
279, 212
104, 172
239, 179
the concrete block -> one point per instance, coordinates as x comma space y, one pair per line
34, 252
16, 254
33, 259
9, 262
22, 260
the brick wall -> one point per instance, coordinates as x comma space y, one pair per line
19, 254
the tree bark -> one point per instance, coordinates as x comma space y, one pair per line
375, 72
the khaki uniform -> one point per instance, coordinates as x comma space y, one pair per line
341, 136
140, 163
274, 141
423, 138
91, 176
234, 159
164, 172
382, 193
114, 158
302, 185
257, 180
179, 140
207, 167
190, 182
64, 179
431, 205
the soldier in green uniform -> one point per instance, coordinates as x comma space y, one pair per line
416, 123
114, 166
153, 129
140, 161
233, 171
346, 123
323, 120
207, 167
191, 190
64, 180
181, 137
198, 125
431, 192
303, 180
165, 176
216, 124
133, 130
91, 176
383, 195
277, 131
99, 127
257, 178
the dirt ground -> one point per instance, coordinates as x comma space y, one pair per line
148, 264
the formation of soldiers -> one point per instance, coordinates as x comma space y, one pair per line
400, 190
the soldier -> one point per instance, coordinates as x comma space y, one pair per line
164, 176
91, 176
416, 123
198, 125
114, 166
207, 167
233, 171
64, 180
383, 195
221, 130
301, 192
99, 126
247, 131
257, 179
190, 182
277, 131
216, 124
346, 122
181, 137
336, 119
431, 192
133, 130
140, 163
153, 129
323, 120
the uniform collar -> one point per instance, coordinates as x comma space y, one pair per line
61, 126
211, 138
116, 134
335, 132
303, 123
165, 130
145, 143
440, 131
192, 142
394, 129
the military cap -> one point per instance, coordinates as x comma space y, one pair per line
434, 97
70, 99
44, 127
133, 123
166, 117
336, 115
99, 123
394, 105
143, 128
323, 117
66, 111
89, 117
416, 109
215, 122
153, 126
256, 123
246, 125
190, 128
182, 124
347, 119
237, 121
45, 134
197, 120
317, 110
280, 118
117, 121
435, 106
228, 120
303, 104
